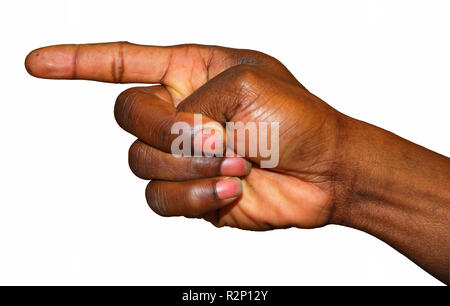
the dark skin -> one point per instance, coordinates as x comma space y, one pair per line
333, 169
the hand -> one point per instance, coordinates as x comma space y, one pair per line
332, 168
224, 85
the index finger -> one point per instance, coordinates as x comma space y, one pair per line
118, 62
182, 68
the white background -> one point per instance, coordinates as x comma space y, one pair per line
71, 211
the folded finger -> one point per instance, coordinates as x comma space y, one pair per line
148, 162
159, 124
192, 198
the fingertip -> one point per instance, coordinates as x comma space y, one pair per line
235, 166
52, 62
157, 203
30, 61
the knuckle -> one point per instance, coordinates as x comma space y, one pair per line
139, 159
245, 75
247, 84
162, 130
259, 58
124, 106
157, 198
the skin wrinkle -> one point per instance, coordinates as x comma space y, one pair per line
128, 110
136, 160
233, 217
162, 78
203, 69
145, 159
113, 69
273, 111
290, 128
161, 130
205, 63
245, 87
334, 167
312, 175
75, 61
208, 64
317, 159
248, 216
117, 64
173, 92
160, 200
241, 100
153, 197
121, 64
125, 109
190, 79
243, 107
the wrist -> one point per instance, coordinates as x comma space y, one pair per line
357, 169
375, 167
395, 190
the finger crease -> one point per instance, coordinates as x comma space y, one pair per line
121, 66
208, 64
164, 75
117, 65
75, 61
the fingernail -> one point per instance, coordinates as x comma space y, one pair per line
228, 188
235, 166
209, 139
